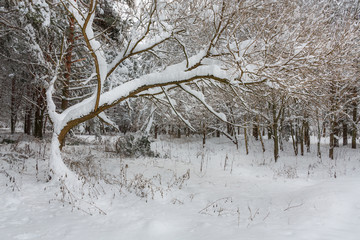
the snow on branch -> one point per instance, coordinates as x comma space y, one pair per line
102, 116
187, 123
144, 46
92, 44
172, 75
199, 96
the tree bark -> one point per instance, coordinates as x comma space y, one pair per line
319, 136
333, 122
275, 133
246, 141
294, 140
354, 120
179, 132
27, 121
204, 134
301, 136
276, 142
187, 132
13, 112
324, 129
269, 132
336, 133
39, 113
281, 129
332, 140
68, 62
262, 142
307, 135
256, 132
217, 133
345, 133
156, 129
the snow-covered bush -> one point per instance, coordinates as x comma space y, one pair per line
134, 146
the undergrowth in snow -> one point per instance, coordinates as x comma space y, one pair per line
186, 192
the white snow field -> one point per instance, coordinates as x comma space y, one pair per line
187, 193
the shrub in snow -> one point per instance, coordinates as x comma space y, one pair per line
75, 141
149, 187
134, 146
287, 172
7, 141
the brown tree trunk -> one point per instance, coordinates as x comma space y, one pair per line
332, 145
307, 135
269, 132
246, 141
333, 122
262, 142
345, 133
281, 129
276, 142
319, 136
354, 120
68, 62
275, 133
336, 133
204, 134
217, 133
294, 141
324, 129
39, 113
27, 121
179, 132
256, 132
301, 136
13, 112
228, 130
156, 129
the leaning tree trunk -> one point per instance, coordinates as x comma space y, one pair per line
57, 166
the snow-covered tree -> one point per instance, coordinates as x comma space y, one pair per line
152, 24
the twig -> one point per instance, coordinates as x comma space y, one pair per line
294, 206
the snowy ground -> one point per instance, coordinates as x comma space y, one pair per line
186, 193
